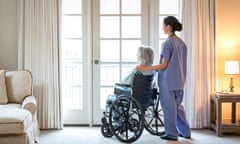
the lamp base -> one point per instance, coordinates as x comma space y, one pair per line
231, 86
231, 89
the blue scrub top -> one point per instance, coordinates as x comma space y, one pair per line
174, 51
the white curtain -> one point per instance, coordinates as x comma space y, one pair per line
38, 51
198, 18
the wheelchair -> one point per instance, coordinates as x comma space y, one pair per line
131, 109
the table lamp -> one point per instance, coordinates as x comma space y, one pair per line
231, 68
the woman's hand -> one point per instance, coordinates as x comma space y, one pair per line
141, 67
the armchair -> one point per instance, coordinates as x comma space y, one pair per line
18, 108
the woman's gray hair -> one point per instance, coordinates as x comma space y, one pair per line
145, 55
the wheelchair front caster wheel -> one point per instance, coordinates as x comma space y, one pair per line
105, 130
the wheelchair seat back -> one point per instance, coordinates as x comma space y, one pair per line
142, 89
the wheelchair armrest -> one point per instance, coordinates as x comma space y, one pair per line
122, 84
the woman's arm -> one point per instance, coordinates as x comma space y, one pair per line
129, 78
161, 66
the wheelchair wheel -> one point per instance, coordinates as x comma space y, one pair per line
126, 119
154, 121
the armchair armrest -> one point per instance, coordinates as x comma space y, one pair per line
30, 104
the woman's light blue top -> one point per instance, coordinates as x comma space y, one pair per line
129, 78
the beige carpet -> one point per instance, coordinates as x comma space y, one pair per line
92, 135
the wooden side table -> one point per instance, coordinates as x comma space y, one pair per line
216, 113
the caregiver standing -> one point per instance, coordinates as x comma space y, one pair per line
171, 80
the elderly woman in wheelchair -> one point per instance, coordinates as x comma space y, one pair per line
134, 104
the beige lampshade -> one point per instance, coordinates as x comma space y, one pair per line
231, 67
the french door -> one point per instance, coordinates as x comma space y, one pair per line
100, 41
119, 28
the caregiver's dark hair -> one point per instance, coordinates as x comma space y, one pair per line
173, 22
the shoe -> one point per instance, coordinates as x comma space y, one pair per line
188, 137
168, 138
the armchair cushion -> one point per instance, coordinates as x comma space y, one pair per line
3, 92
19, 85
14, 124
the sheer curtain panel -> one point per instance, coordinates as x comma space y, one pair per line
38, 51
199, 34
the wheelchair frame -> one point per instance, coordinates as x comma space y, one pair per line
125, 118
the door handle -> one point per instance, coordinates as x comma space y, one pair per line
96, 61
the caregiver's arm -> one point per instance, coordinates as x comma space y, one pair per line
161, 66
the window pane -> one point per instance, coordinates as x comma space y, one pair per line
110, 50
168, 6
73, 98
109, 74
73, 74
109, 6
72, 26
129, 50
73, 86
109, 27
72, 49
131, 26
72, 6
131, 6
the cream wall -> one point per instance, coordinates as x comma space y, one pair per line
227, 40
228, 48
8, 34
